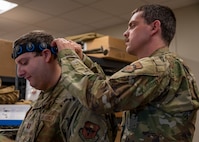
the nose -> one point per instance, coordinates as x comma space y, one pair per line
125, 34
20, 71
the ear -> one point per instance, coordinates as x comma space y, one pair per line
155, 26
46, 53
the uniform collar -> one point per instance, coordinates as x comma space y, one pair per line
46, 96
160, 51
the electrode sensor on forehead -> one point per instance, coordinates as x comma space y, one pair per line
32, 47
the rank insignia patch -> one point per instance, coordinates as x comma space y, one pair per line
132, 67
89, 131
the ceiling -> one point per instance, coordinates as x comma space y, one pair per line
64, 18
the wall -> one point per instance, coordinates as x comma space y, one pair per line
185, 43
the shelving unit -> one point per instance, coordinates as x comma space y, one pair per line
19, 83
109, 66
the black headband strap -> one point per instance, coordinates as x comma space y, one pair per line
31, 47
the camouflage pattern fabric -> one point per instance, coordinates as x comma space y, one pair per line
8, 95
158, 94
58, 117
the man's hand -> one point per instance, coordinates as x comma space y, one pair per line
62, 43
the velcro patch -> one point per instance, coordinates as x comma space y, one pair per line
89, 131
132, 67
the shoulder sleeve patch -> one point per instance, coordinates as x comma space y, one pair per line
132, 67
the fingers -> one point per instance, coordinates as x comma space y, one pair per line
62, 43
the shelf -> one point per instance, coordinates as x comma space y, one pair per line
109, 66
19, 83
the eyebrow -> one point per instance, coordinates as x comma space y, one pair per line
22, 59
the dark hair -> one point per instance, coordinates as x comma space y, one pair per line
34, 36
164, 14
34, 41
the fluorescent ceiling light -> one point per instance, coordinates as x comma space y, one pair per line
5, 6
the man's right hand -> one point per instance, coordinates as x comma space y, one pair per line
62, 43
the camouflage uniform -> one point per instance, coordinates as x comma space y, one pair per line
158, 94
58, 117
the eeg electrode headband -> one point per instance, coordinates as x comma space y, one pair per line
32, 47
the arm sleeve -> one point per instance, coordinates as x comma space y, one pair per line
92, 65
127, 89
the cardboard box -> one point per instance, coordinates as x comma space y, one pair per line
115, 49
7, 64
